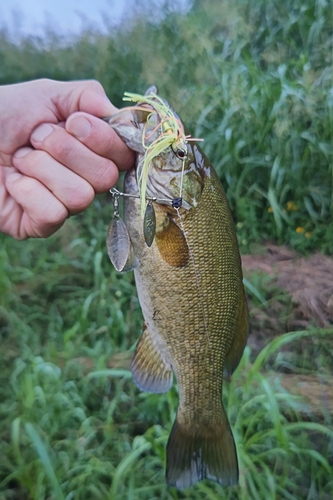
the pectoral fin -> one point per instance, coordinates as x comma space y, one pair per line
150, 370
171, 242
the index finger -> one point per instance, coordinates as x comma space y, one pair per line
99, 137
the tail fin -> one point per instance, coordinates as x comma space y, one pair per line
195, 453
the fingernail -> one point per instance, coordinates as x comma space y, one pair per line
80, 127
22, 152
13, 177
41, 132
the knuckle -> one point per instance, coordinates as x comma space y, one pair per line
55, 215
35, 158
81, 197
26, 186
32, 161
95, 85
45, 82
62, 147
106, 177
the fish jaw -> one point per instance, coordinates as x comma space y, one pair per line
127, 126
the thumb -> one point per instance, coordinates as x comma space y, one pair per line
88, 96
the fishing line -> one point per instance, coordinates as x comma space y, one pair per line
181, 179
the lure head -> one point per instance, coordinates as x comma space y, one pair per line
179, 147
166, 167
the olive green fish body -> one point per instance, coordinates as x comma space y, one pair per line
189, 283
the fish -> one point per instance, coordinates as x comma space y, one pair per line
189, 283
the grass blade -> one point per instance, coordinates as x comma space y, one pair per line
45, 460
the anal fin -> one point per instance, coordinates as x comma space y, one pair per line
150, 371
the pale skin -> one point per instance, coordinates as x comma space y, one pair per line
55, 153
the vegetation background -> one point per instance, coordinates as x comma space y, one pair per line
254, 79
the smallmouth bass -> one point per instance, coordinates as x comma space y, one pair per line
189, 281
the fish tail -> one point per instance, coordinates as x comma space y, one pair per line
195, 453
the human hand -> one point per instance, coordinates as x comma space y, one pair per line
55, 153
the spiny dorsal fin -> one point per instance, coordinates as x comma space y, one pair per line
151, 90
150, 371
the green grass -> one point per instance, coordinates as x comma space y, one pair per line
74, 428
254, 79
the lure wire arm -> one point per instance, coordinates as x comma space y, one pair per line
115, 205
116, 194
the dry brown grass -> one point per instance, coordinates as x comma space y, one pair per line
308, 281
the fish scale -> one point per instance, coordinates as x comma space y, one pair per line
190, 289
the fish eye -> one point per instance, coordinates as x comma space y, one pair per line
180, 150
181, 153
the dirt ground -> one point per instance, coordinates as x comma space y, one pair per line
300, 294
308, 280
